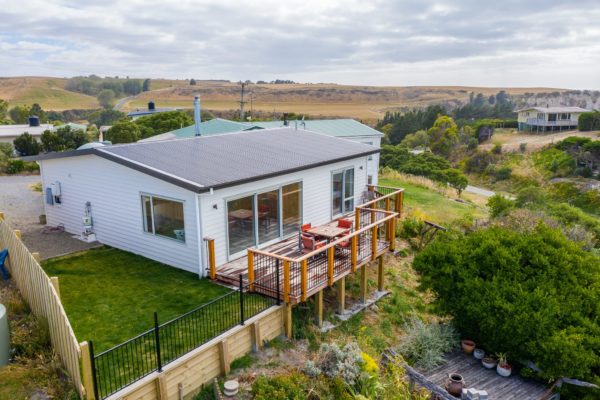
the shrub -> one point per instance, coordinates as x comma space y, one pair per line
425, 344
26, 145
532, 294
499, 205
15, 166
503, 173
497, 149
589, 121
7, 149
585, 172
280, 387
522, 147
411, 227
344, 363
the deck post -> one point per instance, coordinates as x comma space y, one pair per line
353, 252
251, 270
357, 218
380, 280
330, 262
341, 292
392, 234
303, 278
287, 319
225, 357
211, 258
363, 283
319, 308
286, 281
387, 204
374, 242
399, 204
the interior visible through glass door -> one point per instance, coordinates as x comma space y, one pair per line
268, 215
240, 220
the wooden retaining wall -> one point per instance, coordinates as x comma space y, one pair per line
39, 292
184, 377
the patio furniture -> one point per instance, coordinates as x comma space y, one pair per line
346, 224
310, 243
305, 227
327, 231
3, 255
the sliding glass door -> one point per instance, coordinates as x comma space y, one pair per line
263, 217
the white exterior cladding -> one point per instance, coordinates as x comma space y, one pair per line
373, 162
114, 192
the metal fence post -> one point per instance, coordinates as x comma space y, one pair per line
93, 362
157, 342
277, 285
241, 300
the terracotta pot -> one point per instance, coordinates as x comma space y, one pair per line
489, 362
455, 384
468, 346
504, 370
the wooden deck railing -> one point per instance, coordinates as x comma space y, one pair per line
309, 273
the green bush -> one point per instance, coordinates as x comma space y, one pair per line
411, 227
282, 387
15, 166
531, 294
589, 121
7, 149
503, 173
555, 161
425, 344
499, 205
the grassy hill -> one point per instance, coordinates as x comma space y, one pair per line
50, 93
367, 103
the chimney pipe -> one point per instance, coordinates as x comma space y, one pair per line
197, 115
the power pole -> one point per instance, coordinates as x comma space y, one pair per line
242, 102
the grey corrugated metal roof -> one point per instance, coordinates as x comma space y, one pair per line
205, 162
555, 109
332, 127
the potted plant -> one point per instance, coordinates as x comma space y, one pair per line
468, 346
503, 368
489, 362
478, 353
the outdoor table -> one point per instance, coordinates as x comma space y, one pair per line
327, 231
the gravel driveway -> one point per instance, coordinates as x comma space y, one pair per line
22, 207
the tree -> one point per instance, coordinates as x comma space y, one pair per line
19, 114
192, 82
419, 139
499, 205
532, 294
50, 141
443, 135
456, 180
492, 99
106, 98
589, 121
37, 110
106, 117
124, 132
132, 87
3, 110
163, 122
26, 145
146, 85
479, 100
7, 149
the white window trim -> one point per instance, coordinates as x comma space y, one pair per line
153, 233
343, 198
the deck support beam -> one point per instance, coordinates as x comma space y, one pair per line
380, 278
363, 283
319, 308
287, 319
341, 292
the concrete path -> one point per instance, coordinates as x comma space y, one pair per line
480, 191
23, 206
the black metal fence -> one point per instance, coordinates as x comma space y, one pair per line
150, 351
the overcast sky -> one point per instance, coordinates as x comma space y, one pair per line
371, 42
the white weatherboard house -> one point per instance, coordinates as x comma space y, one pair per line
549, 118
160, 199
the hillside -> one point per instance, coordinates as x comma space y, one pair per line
367, 103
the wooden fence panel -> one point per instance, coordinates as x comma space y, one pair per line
37, 289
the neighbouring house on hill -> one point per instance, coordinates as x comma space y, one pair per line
541, 119
149, 111
247, 189
8, 133
341, 128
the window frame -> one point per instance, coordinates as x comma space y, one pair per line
144, 219
343, 198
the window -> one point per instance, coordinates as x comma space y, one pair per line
565, 116
163, 217
342, 191
262, 217
541, 116
552, 117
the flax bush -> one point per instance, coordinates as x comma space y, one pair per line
425, 344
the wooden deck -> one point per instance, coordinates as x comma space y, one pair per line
480, 378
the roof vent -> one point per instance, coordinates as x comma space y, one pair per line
197, 118
34, 121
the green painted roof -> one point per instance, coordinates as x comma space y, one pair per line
217, 126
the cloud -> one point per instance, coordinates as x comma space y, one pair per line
534, 43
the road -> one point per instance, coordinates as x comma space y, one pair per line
480, 191
122, 101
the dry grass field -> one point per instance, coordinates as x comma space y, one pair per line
367, 103
50, 93
511, 139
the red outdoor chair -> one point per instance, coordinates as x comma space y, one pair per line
346, 223
305, 227
310, 243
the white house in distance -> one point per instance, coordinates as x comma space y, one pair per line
8, 133
246, 189
549, 118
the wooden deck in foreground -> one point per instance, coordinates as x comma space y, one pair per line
480, 378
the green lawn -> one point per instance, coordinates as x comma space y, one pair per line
435, 207
110, 295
